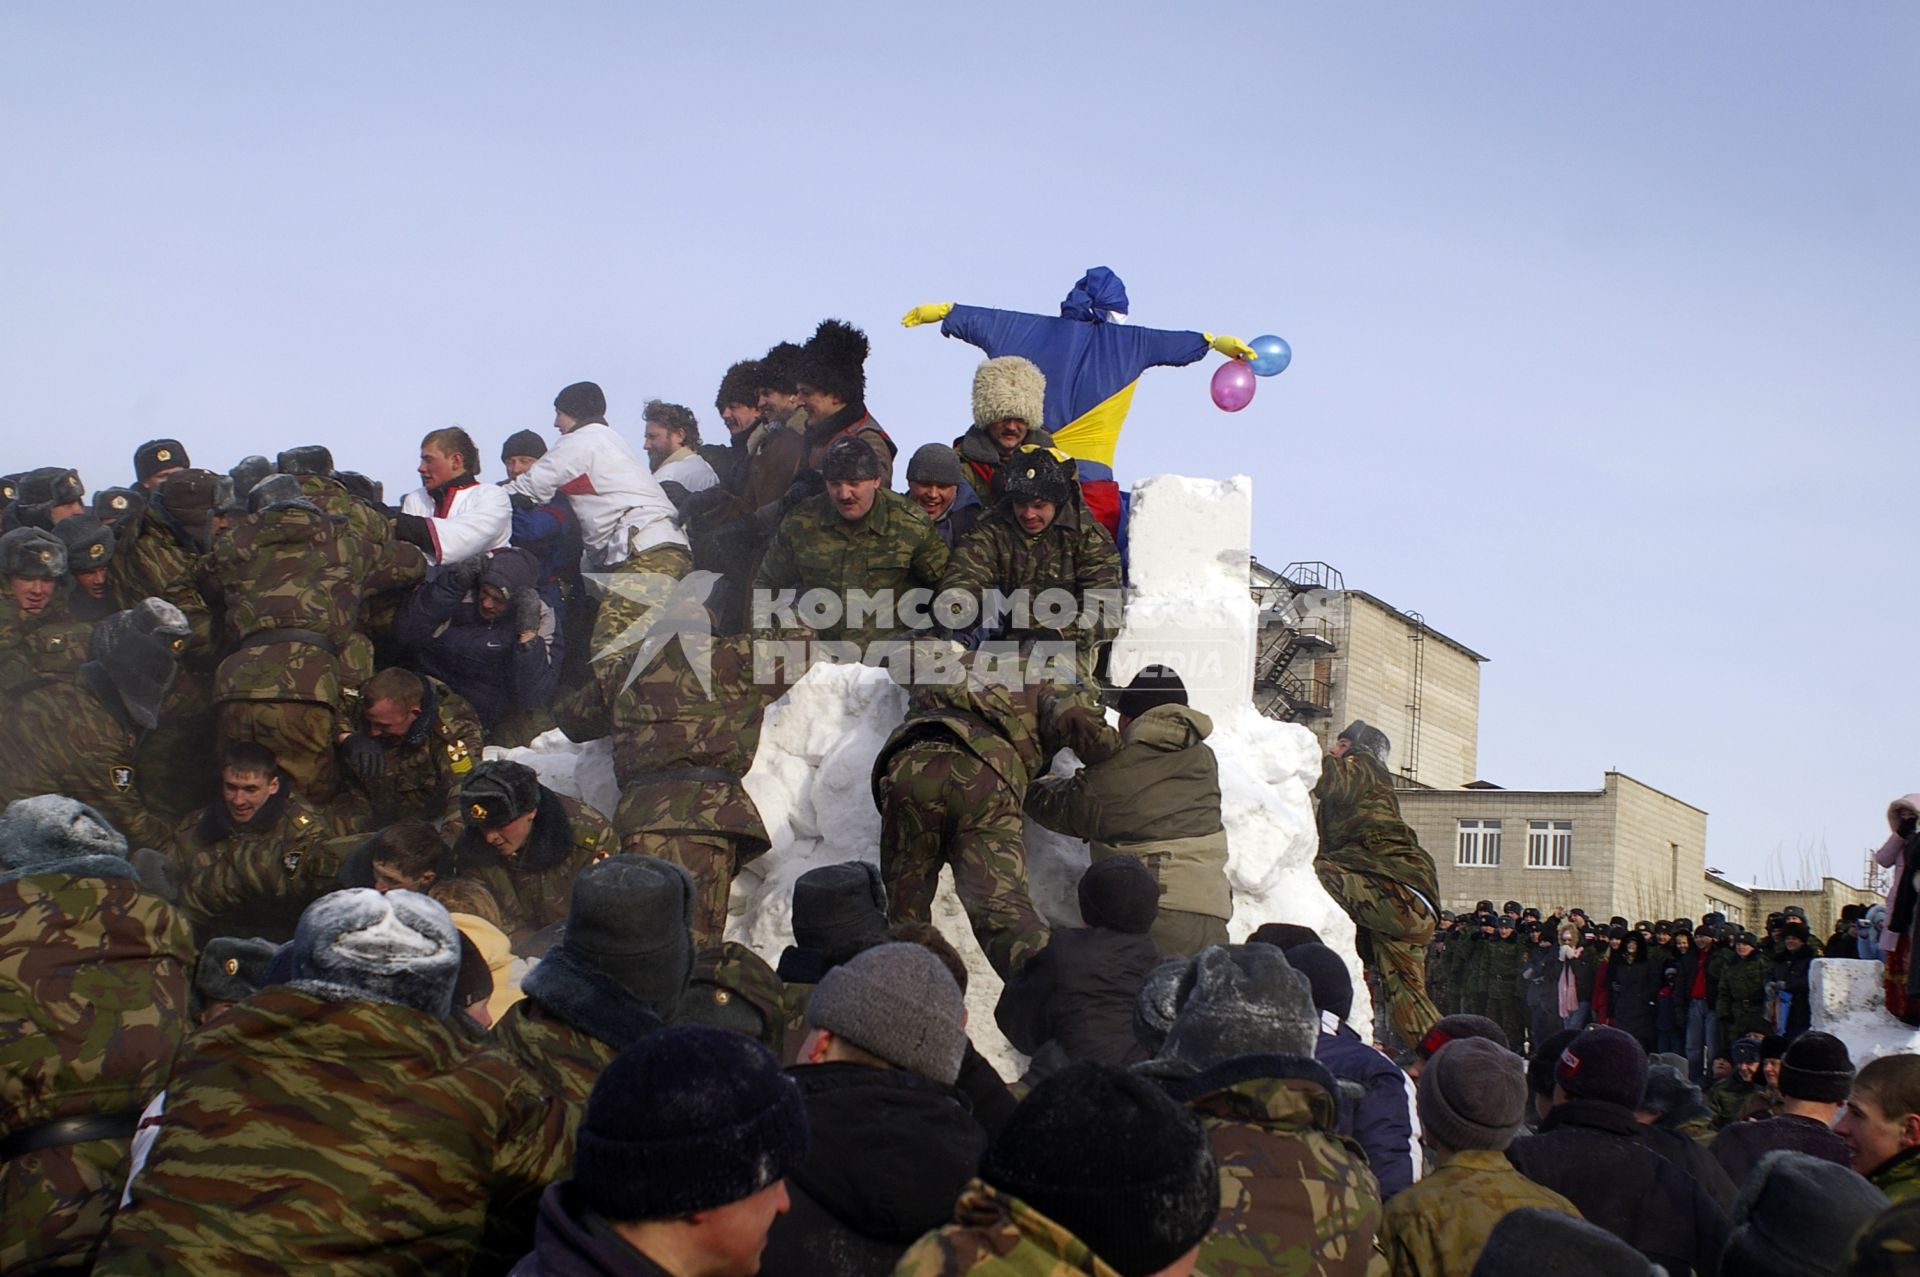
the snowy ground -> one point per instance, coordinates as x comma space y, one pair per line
1192, 609
1850, 1002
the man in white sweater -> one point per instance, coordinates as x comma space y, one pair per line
452, 515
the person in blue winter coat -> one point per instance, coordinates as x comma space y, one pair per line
482, 628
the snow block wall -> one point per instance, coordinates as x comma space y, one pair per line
1190, 607
1850, 1002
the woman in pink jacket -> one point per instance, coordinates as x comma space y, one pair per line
1901, 851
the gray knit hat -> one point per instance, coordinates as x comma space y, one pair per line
934, 463
1795, 1215
51, 829
1241, 999
900, 1003
1473, 1094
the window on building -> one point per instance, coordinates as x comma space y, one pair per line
1549, 844
1479, 844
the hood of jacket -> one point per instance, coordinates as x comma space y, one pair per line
1168, 728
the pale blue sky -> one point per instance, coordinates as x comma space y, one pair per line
1603, 316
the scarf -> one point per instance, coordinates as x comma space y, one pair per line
1569, 992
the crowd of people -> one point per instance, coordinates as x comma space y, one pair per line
295, 978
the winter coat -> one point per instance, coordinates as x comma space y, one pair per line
1893, 854
960, 516
1381, 1119
1595, 1155
1361, 829
255, 879
425, 767
995, 1235
852, 422
1743, 995
893, 548
75, 738
980, 457
535, 886
1794, 974
1636, 991
1158, 798
1438, 1226
1688, 969
1740, 1146
483, 660
464, 517
1690, 1155
1073, 554
621, 508
34, 648
566, 1243
890, 1153
1078, 995
687, 468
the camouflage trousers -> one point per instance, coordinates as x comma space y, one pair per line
300, 734
943, 806
56, 1204
711, 860
1509, 1011
1394, 927
635, 589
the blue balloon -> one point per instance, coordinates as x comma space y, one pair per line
1271, 355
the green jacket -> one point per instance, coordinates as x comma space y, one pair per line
255, 879
1743, 995
154, 561
425, 768
535, 885
1437, 1227
1899, 1176
64, 738
995, 1235
1158, 798
34, 649
1072, 555
892, 550
1360, 825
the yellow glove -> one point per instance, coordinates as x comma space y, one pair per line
931, 313
1231, 347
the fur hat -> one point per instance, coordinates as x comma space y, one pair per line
1795, 1215
740, 384
1283, 935
498, 791
524, 443
247, 472
835, 360
631, 918
1368, 739
1816, 1067
1034, 474
232, 969
1744, 1051
686, 1119
1241, 999
1119, 893
156, 455
191, 497
900, 1003
583, 401
834, 904
1106, 1155
50, 486
139, 650
1157, 1003
89, 542
1449, 1027
779, 369
1533, 1240
849, 458
50, 829
116, 506
1668, 1089
1009, 387
1152, 687
370, 491
279, 492
1327, 975
1473, 1094
935, 463
33, 553
1603, 1064
310, 458
357, 944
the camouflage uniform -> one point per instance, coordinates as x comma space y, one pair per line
1728, 1098
564, 1060
1743, 998
894, 549
734, 988
1371, 863
1899, 1176
153, 561
36, 649
425, 767
1073, 554
94, 975
255, 879
949, 784
387, 568
352, 1137
535, 885
1506, 1000
1440, 968
634, 589
1295, 1197
1437, 1227
64, 739
994, 1235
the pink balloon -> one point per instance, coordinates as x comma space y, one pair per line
1233, 384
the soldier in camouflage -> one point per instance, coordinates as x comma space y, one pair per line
949, 784
1506, 999
90, 546
526, 843
1440, 963
1372, 864
417, 742
40, 640
378, 1138
734, 988
94, 976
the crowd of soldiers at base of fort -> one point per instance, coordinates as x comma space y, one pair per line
293, 977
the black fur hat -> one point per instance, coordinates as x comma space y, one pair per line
835, 360
309, 458
1033, 474
116, 506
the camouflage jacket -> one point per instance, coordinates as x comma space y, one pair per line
535, 885
1743, 995
64, 738
255, 879
94, 974
565, 1061
426, 766
1899, 1176
893, 550
37, 648
1295, 1196
284, 571
1728, 1097
994, 1235
1437, 1227
151, 561
378, 1141
1360, 824
1015, 730
387, 568
1073, 555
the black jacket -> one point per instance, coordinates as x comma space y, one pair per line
1794, 974
1739, 1148
1078, 993
1636, 988
1593, 1154
1691, 1156
569, 1243
891, 1152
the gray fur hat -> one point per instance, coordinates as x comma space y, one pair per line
935, 463
358, 944
279, 492
115, 506
309, 458
52, 828
88, 541
850, 458
1795, 1216
631, 917
1009, 386
51, 486
1157, 1002
139, 649
900, 1003
1367, 739
34, 553
836, 903
247, 472
1241, 999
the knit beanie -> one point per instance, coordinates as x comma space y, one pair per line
498, 791
935, 463
1120, 894
1449, 1027
1158, 1002
1327, 974
156, 455
1009, 387
400, 947
33, 553
1283, 935
89, 543
232, 968
1152, 687
1532, 1241
1816, 1067
583, 401
848, 458
139, 651
835, 360
900, 1003
511, 570
524, 443
1106, 1155
1241, 999
834, 904
1473, 1094
47, 830
1368, 739
1795, 1215
309, 458
631, 917
1604, 1064
686, 1119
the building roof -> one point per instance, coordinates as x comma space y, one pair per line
1488, 787
1418, 623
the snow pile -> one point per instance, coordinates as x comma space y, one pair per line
1191, 609
1850, 1002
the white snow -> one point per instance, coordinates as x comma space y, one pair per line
1191, 608
1850, 1002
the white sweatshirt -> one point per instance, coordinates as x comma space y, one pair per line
478, 520
621, 508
